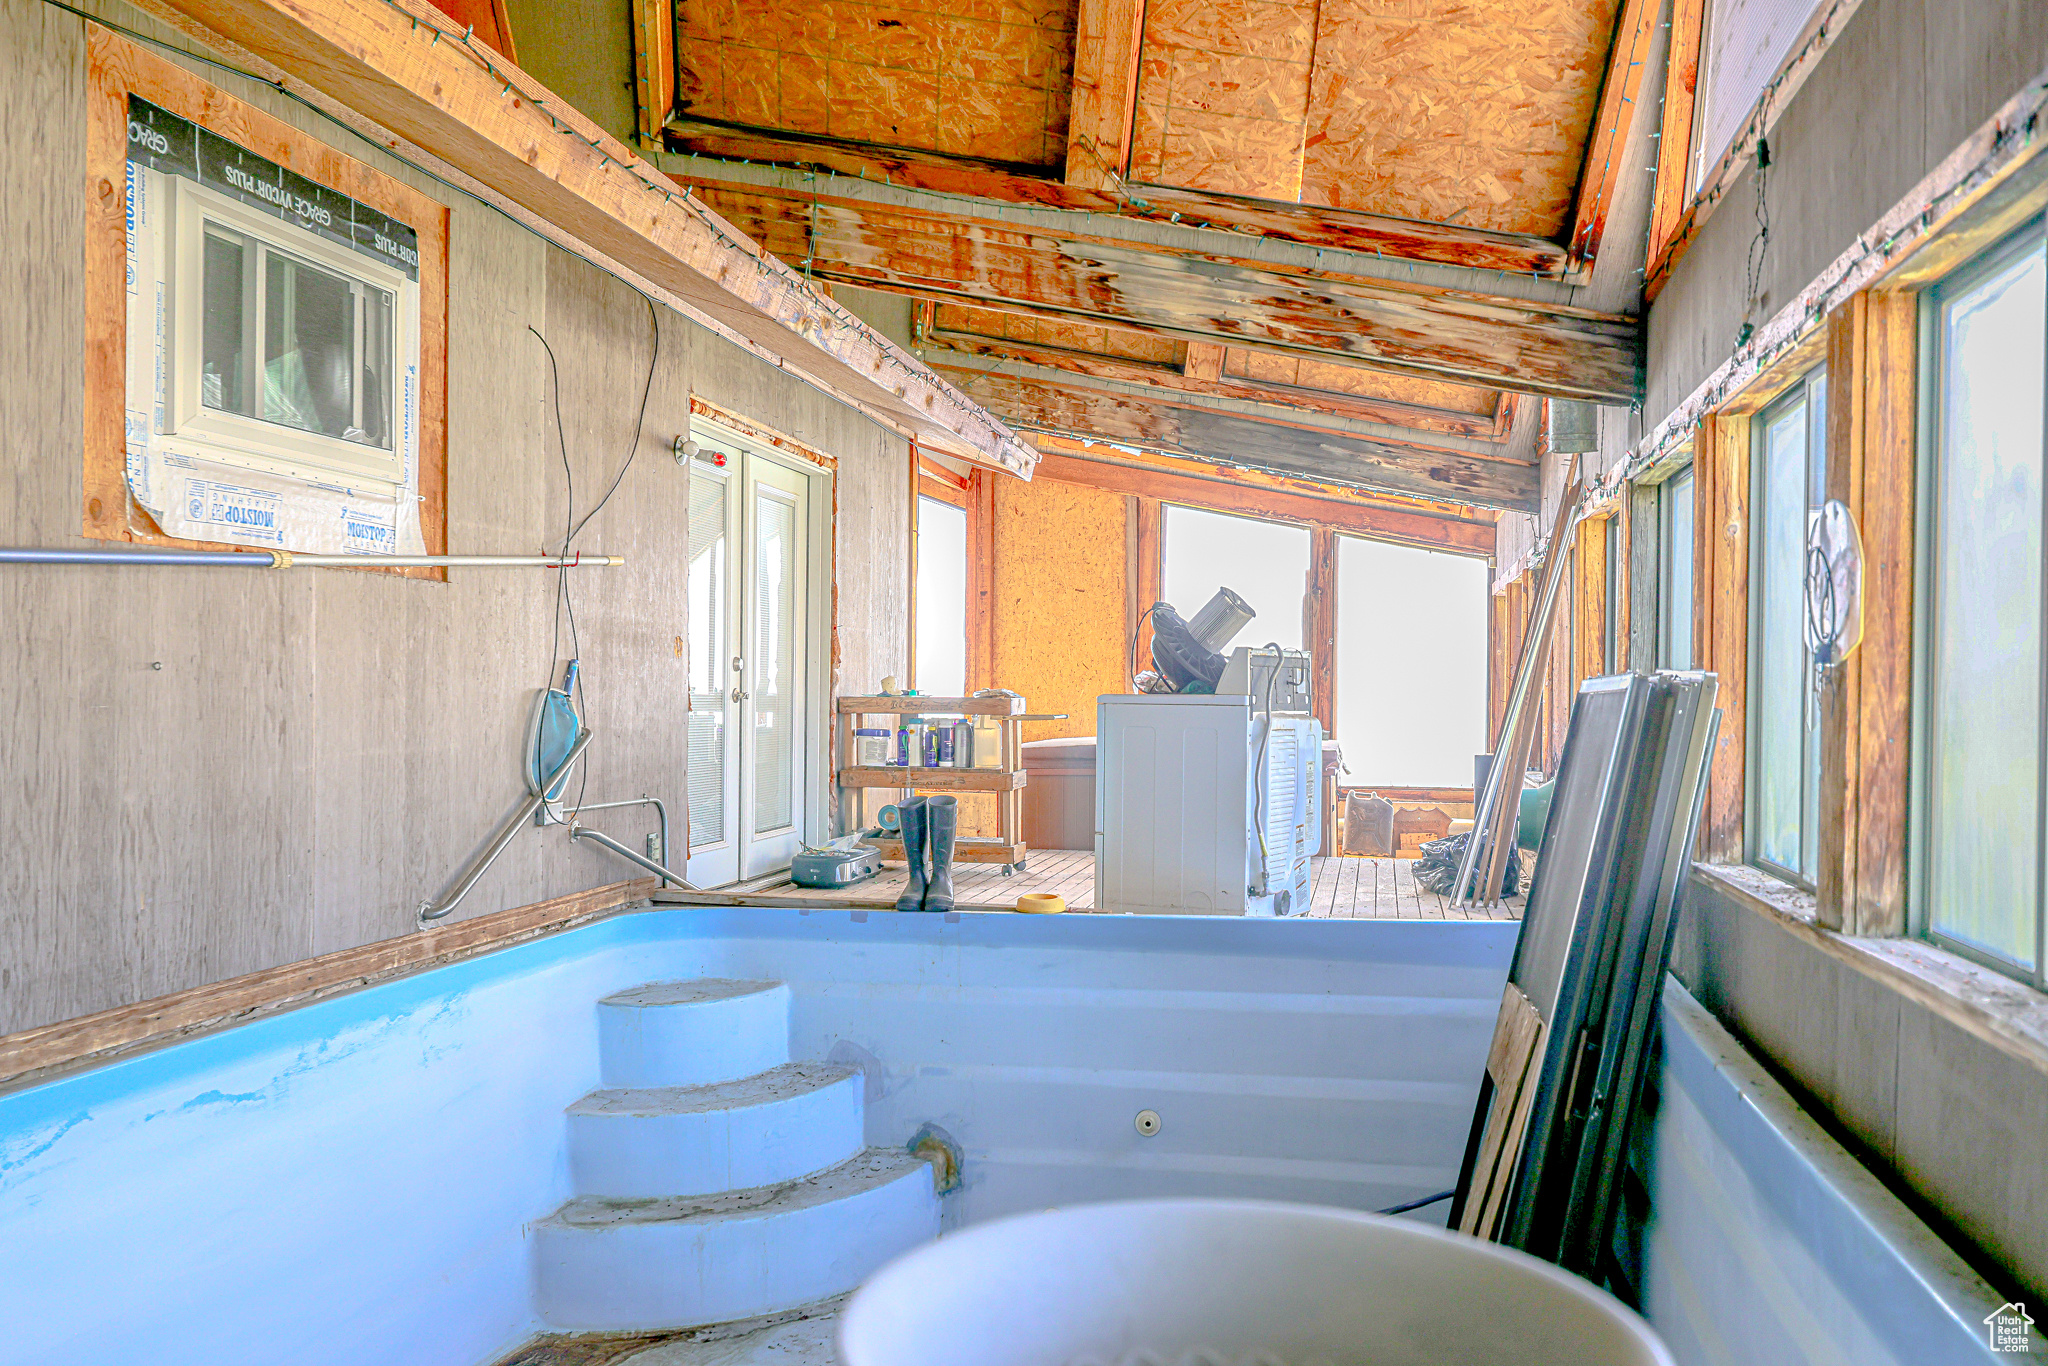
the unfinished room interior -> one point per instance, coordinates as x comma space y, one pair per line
1024, 682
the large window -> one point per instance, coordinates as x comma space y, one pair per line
941, 599
1674, 572
1979, 817
1411, 697
1788, 470
1265, 563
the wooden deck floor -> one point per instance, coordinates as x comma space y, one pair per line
1340, 888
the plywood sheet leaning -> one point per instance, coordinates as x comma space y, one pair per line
1511, 1069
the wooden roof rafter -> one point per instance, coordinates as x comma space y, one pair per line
1388, 323
1635, 32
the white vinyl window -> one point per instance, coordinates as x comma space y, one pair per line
1788, 469
1978, 817
941, 599
286, 353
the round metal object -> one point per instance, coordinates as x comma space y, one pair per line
1148, 1122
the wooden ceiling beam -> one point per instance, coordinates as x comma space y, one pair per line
1674, 138
1005, 183
1104, 104
398, 64
1165, 422
1635, 32
1385, 324
1223, 488
1358, 407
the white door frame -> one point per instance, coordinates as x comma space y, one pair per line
814, 776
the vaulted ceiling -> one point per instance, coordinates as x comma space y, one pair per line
1328, 237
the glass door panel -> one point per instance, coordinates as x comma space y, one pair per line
714, 771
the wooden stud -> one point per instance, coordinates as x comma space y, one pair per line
1103, 106
1589, 620
1721, 489
1222, 493
1635, 29
1204, 361
997, 183
654, 67
1319, 624
1397, 325
1866, 705
1674, 140
981, 563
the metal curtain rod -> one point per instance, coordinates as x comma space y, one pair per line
285, 559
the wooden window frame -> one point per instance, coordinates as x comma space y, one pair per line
117, 68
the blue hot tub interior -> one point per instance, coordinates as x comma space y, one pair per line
358, 1180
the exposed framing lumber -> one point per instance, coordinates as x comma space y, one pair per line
1635, 31
35, 1055
1721, 521
1822, 28
396, 65
981, 586
997, 183
1357, 407
1867, 707
1399, 326
1104, 105
1204, 361
1323, 454
1994, 181
1143, 525
654, 67
1674, 138
1319, 627
1227, 491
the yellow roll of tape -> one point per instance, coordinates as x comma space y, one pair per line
1040, 903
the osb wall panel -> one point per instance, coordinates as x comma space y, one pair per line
1355, 379
983, 78
1436, 109
1223, 95
1100, 341
1059, 599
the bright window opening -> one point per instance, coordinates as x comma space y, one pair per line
941, 599
1265, 563
1411, 664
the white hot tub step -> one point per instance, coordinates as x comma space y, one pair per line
640, 1265
694, 1033
787, 1122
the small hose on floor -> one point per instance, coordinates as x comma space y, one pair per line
1418, 1204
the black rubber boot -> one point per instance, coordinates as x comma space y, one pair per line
913, 814
943, 817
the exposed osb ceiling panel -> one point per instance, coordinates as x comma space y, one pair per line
977, 78
1114, 342
1473, 111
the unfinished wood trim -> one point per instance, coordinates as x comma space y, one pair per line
760, 433
981, 564
1674, 138
654, 67
1299, 448
36, 1055
1721, 491
1398, 325
704, 143
1589, 618
397, 65
941, 491
116, 68
1866, 707
1357, 407
1623, 552
1104, 103
1822, 28
1376, 523
1319, 626
1635, 30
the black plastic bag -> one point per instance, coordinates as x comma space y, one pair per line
1437, 868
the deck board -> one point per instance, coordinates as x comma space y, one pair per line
1341, 888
